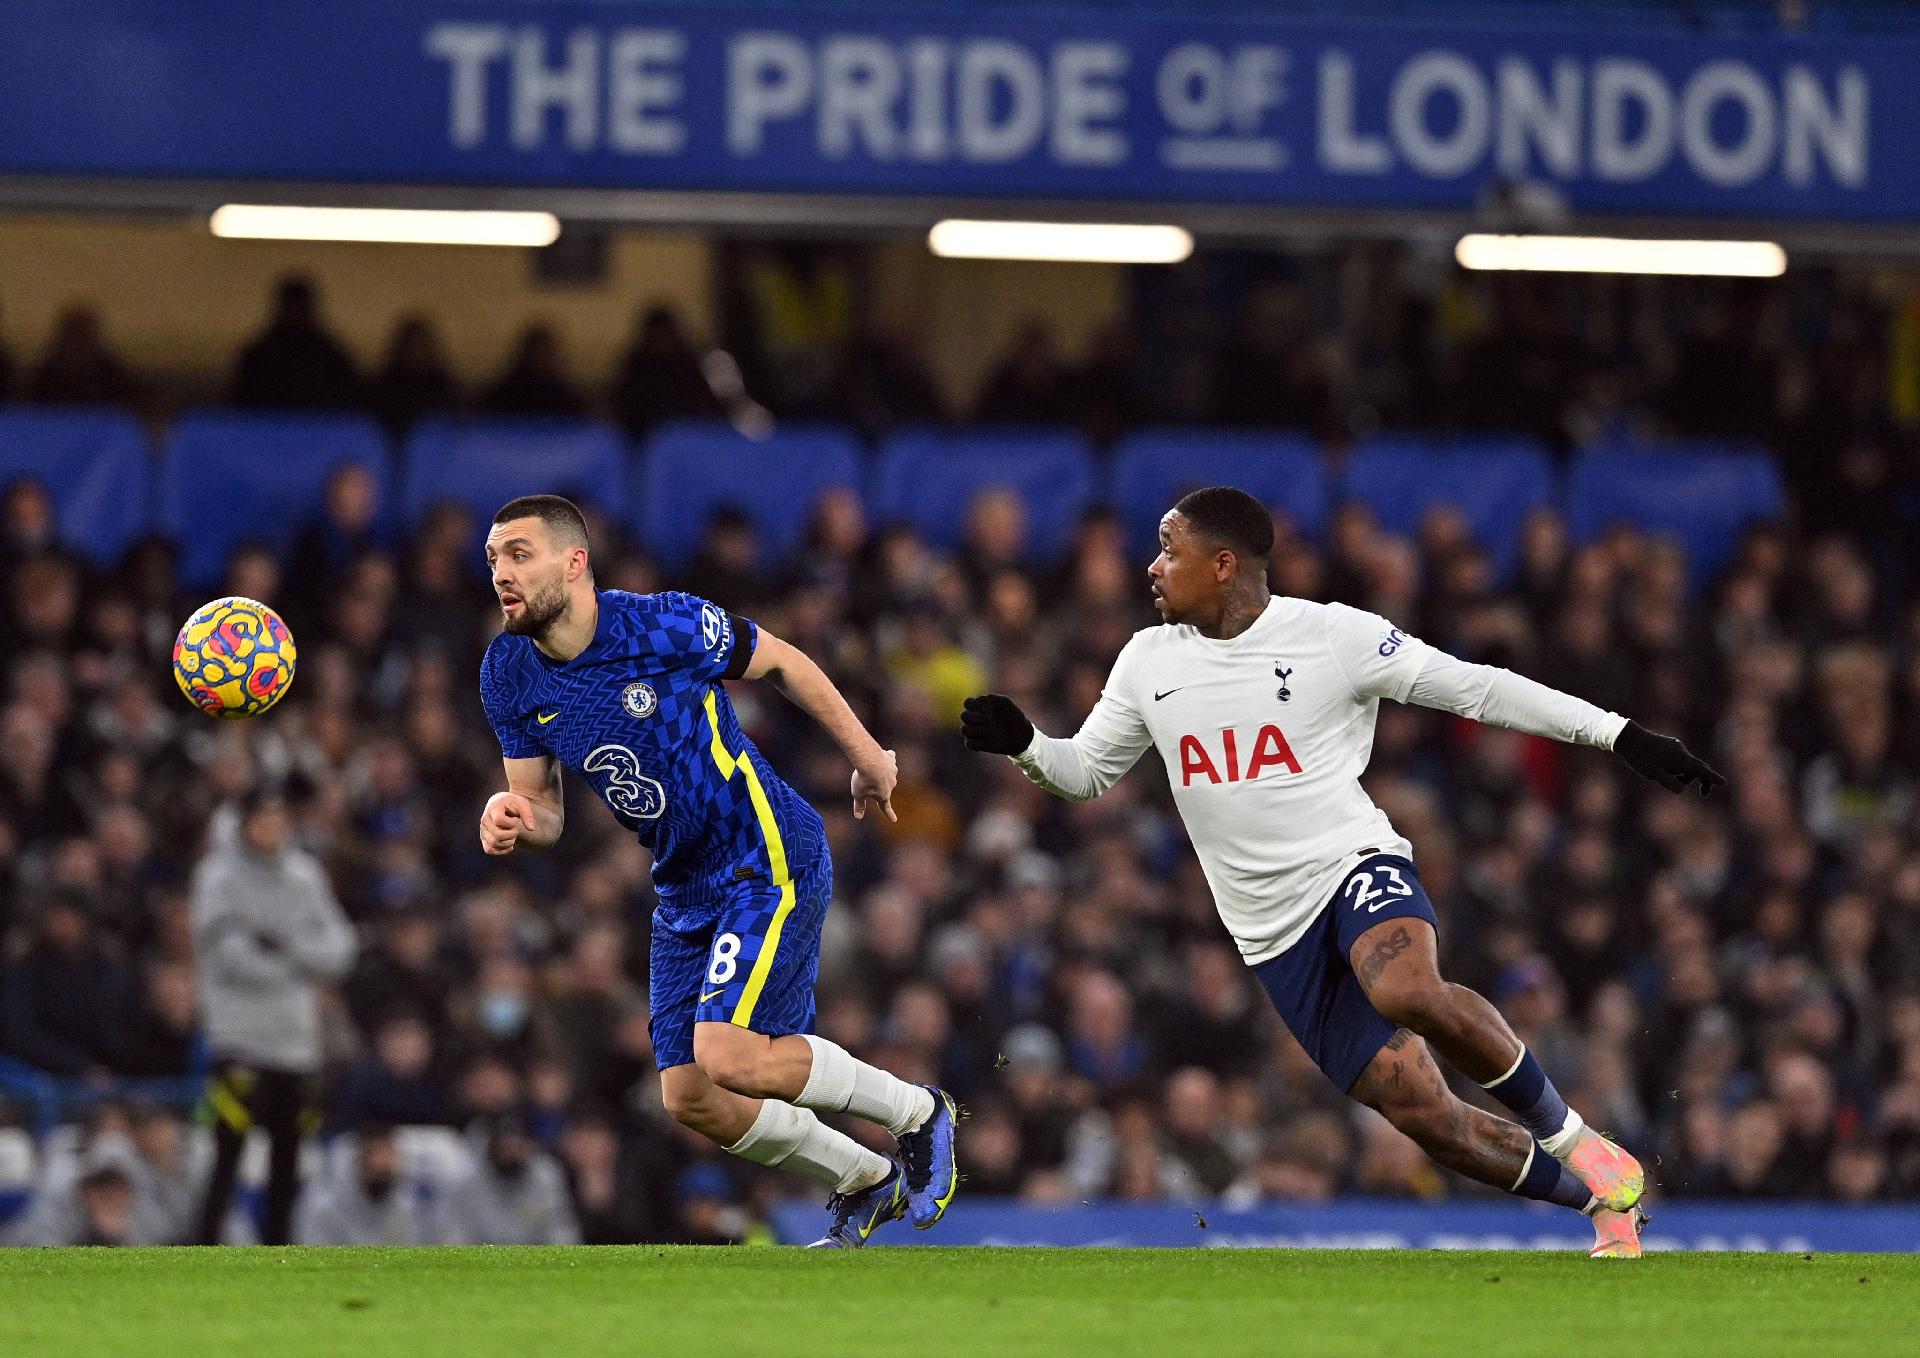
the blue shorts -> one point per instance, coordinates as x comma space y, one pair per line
1312, 983
752, 963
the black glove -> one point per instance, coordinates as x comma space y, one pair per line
1665, 760
995, 724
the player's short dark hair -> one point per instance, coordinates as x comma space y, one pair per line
564, 521
1230, 517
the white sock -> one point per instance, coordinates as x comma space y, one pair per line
797, 1140
1560, 1145
838, 1083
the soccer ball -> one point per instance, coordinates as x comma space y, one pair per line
234, 658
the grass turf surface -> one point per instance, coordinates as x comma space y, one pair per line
714, 1303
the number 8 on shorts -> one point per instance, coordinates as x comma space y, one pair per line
726, 953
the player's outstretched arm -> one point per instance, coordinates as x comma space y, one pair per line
1500, 697
795, 674
1109, 742
530, 812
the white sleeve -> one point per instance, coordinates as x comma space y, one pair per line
1502, 698
1377, 659
1110, 741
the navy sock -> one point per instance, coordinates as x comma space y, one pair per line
1530, 1094
1547, 1180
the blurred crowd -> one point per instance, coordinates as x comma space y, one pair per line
1822, 364
1732, 987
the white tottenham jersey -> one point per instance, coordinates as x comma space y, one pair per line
1265, 736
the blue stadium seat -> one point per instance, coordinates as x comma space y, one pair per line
1618, 440
1703, 498
929, 478
481, 464
233, 476
94, 465
693, 468
1493, 482
1153, 469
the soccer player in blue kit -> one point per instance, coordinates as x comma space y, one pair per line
626, 690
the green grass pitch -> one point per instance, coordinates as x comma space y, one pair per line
984, 1303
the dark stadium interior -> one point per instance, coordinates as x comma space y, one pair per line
1731, 986
1575, 337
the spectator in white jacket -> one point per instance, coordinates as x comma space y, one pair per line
512, 1192
362, 1198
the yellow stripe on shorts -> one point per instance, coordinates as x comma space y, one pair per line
729, 764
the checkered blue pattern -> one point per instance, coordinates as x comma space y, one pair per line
629, 715
700, 973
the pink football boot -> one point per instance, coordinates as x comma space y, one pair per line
1616, 1235
1609, 1173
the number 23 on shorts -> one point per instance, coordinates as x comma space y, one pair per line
1365, 893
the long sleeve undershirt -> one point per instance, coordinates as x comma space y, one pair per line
1114, 735
1500, 697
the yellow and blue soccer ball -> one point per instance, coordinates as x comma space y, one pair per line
234, 658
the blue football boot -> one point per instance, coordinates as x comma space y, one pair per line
932, 1174
859, 1214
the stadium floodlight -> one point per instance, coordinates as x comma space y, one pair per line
1606, 254
400, 226
1063, 242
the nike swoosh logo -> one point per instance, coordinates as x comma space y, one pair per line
713, 994
1168, 694
544, 717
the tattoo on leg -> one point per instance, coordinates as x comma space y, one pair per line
1480, 1146
1384, 952
1409, 1091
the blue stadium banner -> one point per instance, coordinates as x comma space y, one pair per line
938, 101
1376, 1224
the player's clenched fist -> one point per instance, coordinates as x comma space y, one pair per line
508, 814
994, 723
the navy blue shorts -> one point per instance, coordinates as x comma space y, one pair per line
1312, 983
753, 964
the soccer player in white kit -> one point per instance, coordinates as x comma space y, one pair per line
1263, 709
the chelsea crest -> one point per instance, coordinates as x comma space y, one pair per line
639, 700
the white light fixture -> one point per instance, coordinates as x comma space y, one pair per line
1604, 254
1066, 242
402, 226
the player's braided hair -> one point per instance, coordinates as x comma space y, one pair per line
561, 516
1230, 517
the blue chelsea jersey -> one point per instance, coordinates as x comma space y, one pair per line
641, 715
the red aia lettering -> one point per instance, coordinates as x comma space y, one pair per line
1193, 759
1270, 749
